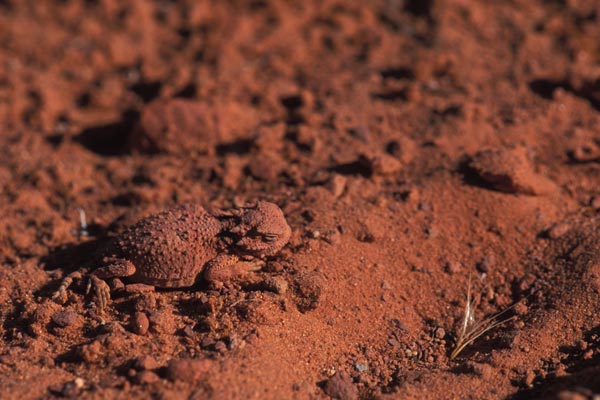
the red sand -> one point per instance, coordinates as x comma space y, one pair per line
411, 145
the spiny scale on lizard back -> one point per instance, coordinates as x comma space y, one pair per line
172, 244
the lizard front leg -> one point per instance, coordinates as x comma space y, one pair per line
226, 267
118, 268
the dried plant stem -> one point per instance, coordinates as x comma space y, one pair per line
472, 329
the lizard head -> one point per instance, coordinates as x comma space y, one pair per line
261, 230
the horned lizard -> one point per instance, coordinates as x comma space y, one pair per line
176, 247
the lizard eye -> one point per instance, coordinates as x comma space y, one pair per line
270, 238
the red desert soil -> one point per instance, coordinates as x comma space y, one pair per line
413, 146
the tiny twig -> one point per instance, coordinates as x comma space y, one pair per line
473, 329
82, 223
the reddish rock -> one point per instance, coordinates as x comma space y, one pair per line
175, 126
139, 323
510, 170
146, 377
380, 163
92, 352
341, 387
65, 318
145, 363
337, 185
162, 322
188, 370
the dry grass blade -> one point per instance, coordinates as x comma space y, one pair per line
472, 329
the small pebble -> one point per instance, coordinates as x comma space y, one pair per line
337, 185
145, 363
333, 238
340, 387
365, 236
65, 318
361, 367
251, 338
145, 302
276, 284
73, 389
188, 370
267, 167
307, 288
188, 331
139, 323
380, 164
509, 170
520, 308
91, 352
146, 377
220, 346
207, 342
162, 322
559, 230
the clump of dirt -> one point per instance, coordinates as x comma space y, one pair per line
175, 126
411, 146
510, 171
